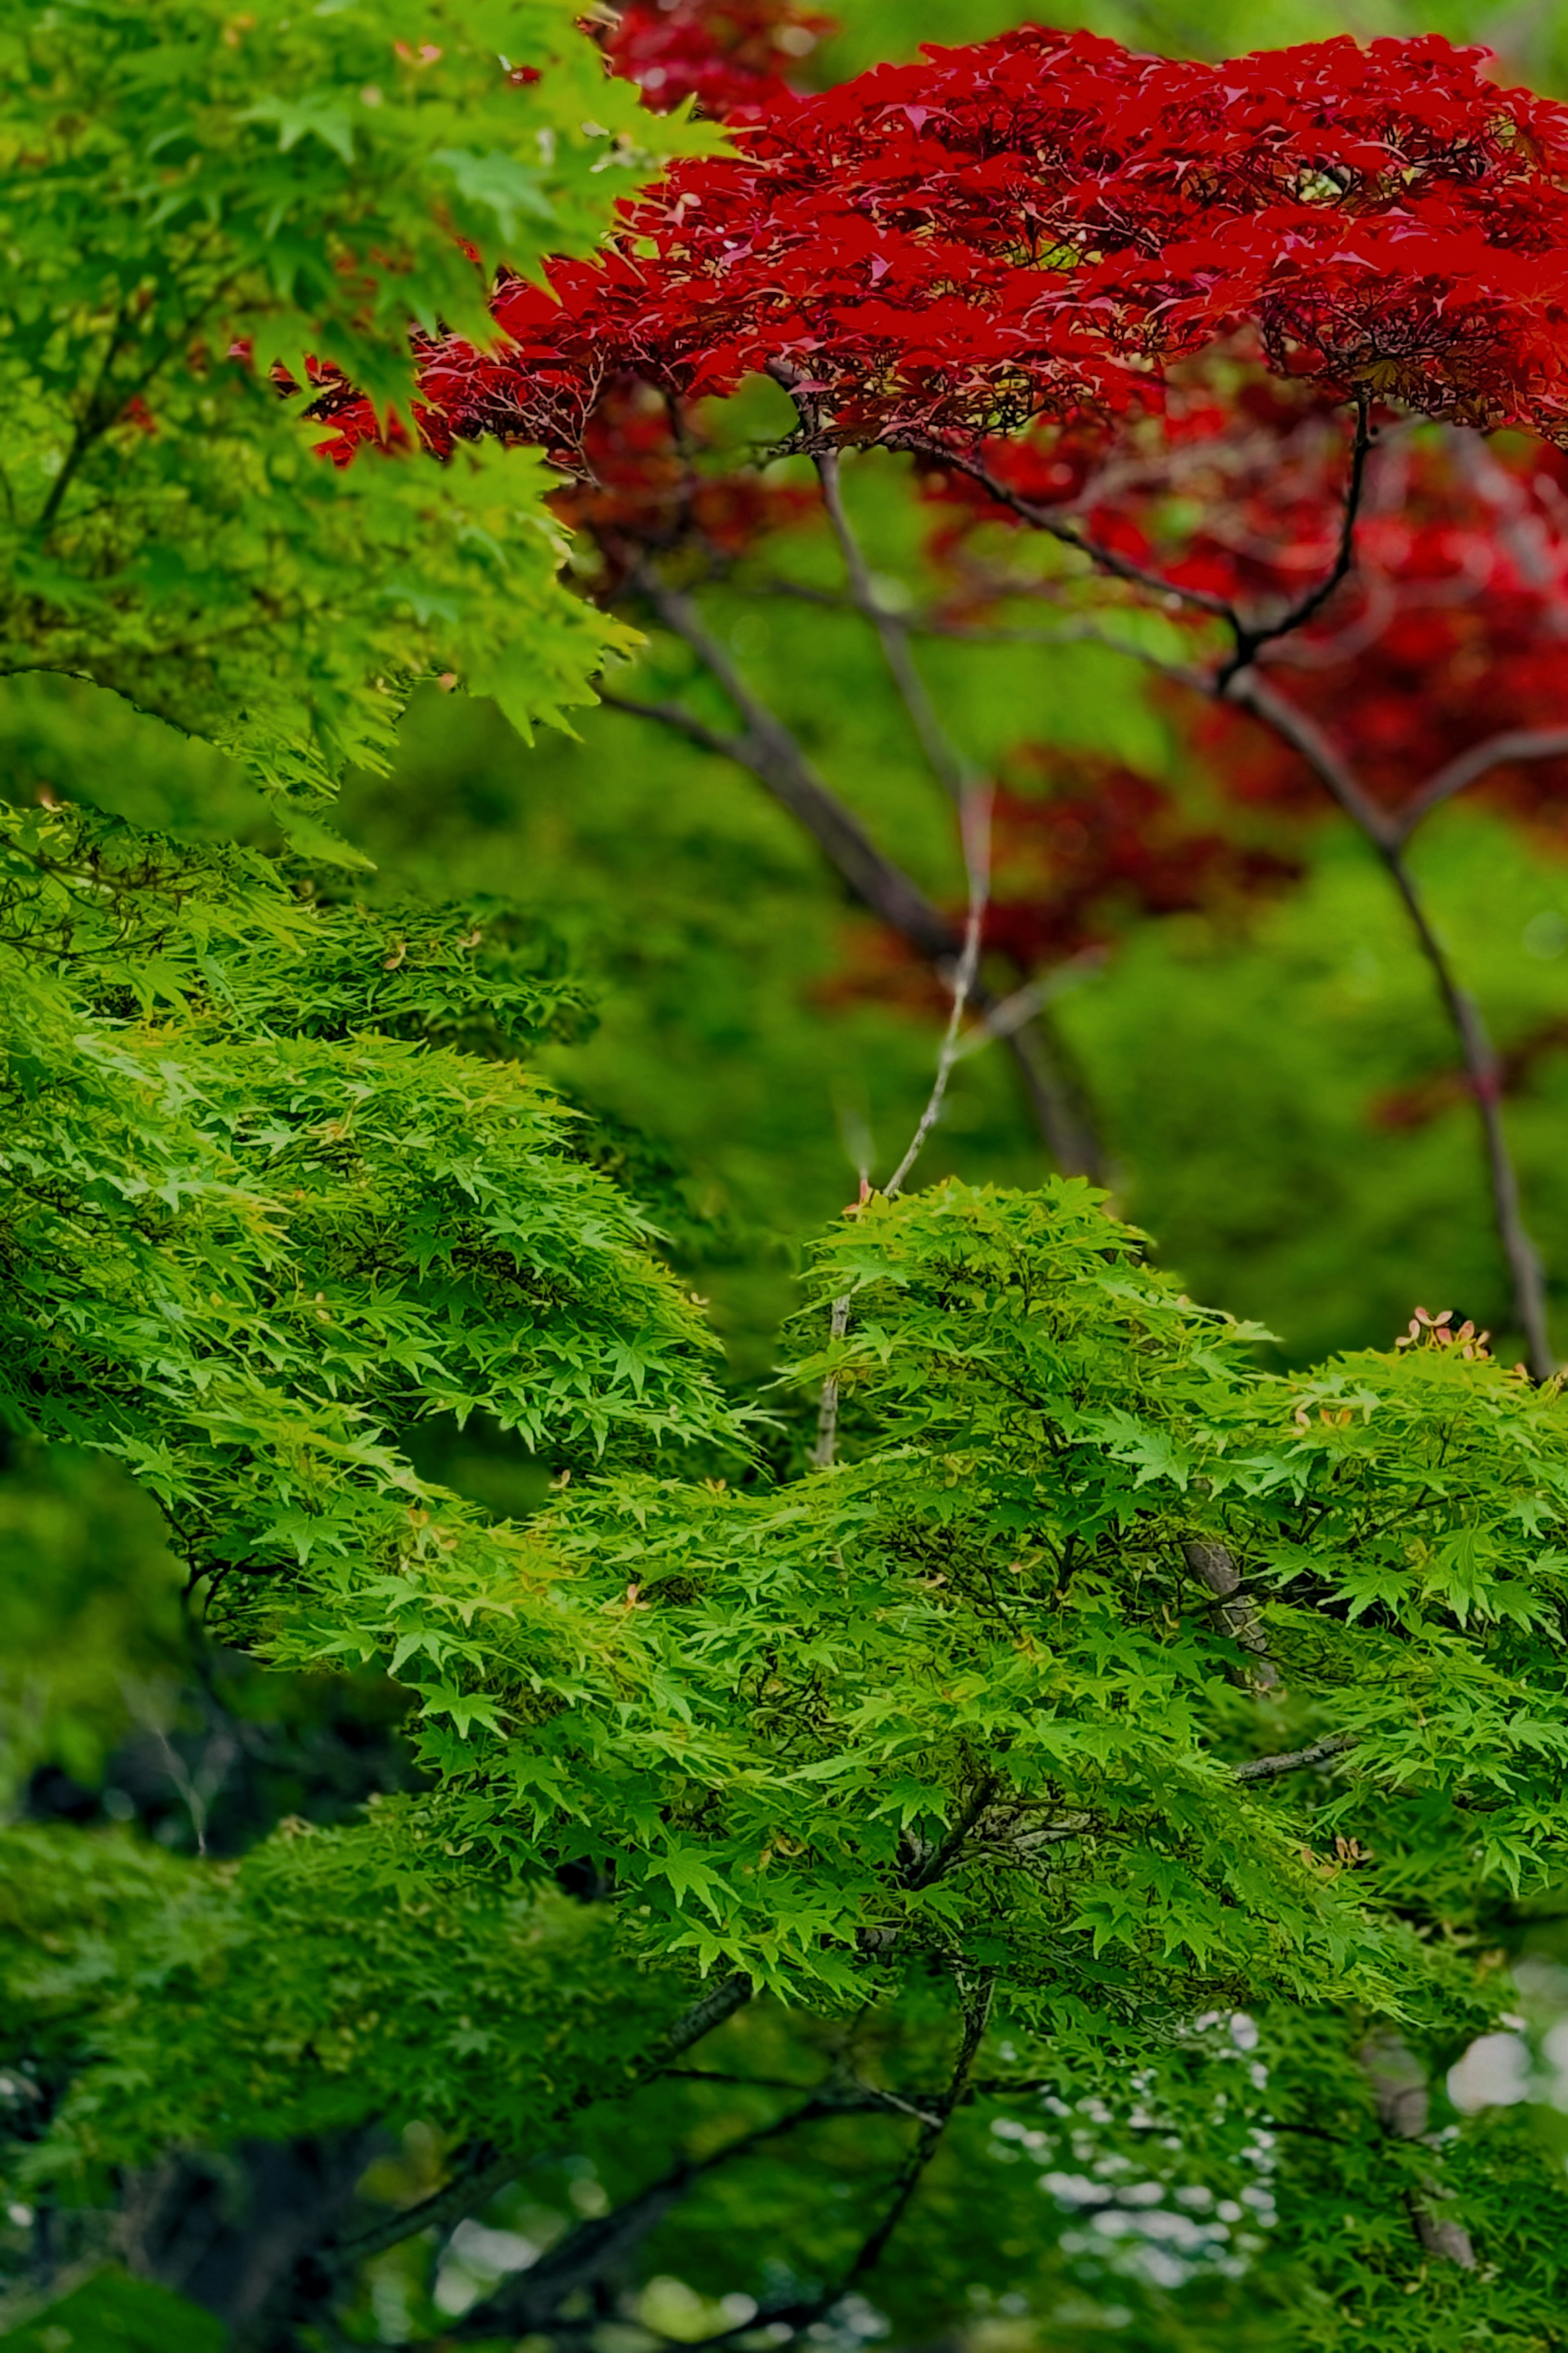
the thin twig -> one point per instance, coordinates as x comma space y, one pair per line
1469, 767
489, 2169
1010, 1013
947, 764
976, 2016
975, 819
768, 752
1065, 529
1250, 640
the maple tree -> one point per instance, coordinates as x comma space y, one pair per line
1000, 261
1087, 1786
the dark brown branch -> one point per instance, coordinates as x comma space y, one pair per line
1484, 1072
769, 752
1250, 640
1482, 1066
1303, 734
873, 2247
1063, 529
487, 2169
528, 2302
1469, 767
934, 2125
927, 1868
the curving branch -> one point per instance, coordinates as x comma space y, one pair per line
951, 771
1250, 640
1469, 767
487, 2168
528, 2302
1482, 1065
1302, 733
1064, 530
1483, 1068
768, 750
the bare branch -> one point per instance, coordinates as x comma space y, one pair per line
1250, 640
1065, 528
1303, 734
976, 2015
1010, 1013
1480, 1056
769, 752
975, 816
1484, 1074
1469, 767
951, 770
527, 2302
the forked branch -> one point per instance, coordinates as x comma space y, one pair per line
768, 750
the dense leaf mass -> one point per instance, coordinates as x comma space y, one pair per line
191, 198
1046, 220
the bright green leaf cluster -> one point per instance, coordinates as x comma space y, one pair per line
191, 198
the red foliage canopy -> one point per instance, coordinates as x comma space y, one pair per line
1044, 222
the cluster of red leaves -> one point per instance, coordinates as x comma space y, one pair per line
1044, 222
731, 55
1082, 850
650, 487
1090, 847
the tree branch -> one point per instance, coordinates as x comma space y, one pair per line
1403, 2101
769, 752
1214, 1566
951, 770
1485, 1073
1266, 1768
1063, 529
975, 818
527, 2302
1249, 641
1468, 767
1292, 726
1387, 835
487, 2169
